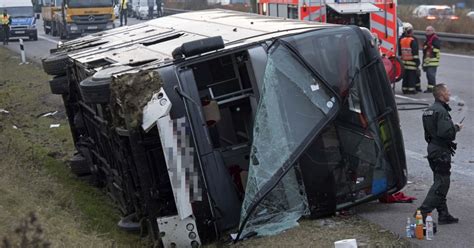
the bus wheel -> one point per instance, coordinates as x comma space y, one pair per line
95, 91
59, 85
55, 64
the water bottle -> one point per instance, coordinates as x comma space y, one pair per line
429, 227
408, 228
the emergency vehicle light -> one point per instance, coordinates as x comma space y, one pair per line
431, 17
454, 18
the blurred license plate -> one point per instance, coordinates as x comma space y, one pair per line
91, 27
19, 32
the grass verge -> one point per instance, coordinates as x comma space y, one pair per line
34, 177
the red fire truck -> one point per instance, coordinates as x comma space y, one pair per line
379, 16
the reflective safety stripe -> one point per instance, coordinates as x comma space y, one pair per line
418, 84
316, 14
430, 86
432, 56
380, 27
387, 45
382, 15
431, 62
384, 24
409, 65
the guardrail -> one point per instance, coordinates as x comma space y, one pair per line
448, 37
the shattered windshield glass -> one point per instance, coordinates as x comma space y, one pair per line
334, 53
294, 105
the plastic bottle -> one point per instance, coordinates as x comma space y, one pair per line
429, 227
408, 228
419, 225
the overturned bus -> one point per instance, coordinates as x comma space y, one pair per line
212, 121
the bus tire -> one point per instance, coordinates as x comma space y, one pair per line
79, 165
95, 91
55, 64
59, 85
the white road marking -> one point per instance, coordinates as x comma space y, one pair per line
405, 97
48, 39
454, 167
412, 99
454, 55
458, 55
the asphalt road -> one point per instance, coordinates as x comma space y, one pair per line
455, 70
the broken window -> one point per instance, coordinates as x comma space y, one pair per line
294, 106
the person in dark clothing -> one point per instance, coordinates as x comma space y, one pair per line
431, 56
158, 8
440, 132
408, 50
5, 22
151, 6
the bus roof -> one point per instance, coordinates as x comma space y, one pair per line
159, 37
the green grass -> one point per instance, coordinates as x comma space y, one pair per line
34, 176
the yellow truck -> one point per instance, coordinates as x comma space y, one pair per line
72, 18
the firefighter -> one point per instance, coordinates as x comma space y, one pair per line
440, 132
411, 61
431, 55
5, 22
407, 26
123, 8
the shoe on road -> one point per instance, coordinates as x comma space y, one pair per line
447, 219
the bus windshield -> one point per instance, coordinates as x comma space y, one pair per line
89, 3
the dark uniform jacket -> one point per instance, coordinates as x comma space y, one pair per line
440, 131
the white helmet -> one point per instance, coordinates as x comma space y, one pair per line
407, 26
